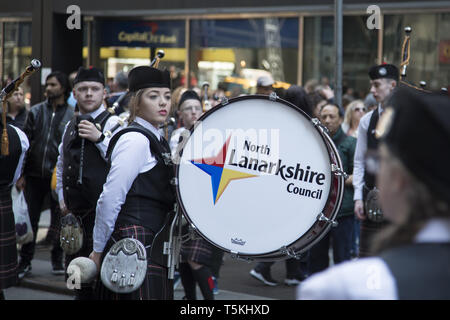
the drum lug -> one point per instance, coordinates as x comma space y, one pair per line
235, 255
290, 253
316, 122
224, 101
322, 217
174, 181
273, 96
338, 171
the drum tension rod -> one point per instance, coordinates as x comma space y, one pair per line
273, 96
290, 252
235, 256
322, 217
338, 171
224, 101
319, 124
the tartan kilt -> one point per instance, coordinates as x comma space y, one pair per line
8, 244
156, 285
197, 250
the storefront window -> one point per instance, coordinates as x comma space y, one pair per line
17, 53
232, 54
125, 44
359, 53
430, 47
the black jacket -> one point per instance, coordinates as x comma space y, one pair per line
44, 129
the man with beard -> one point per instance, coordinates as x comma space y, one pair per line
44, 128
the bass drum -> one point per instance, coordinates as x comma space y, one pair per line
258, 178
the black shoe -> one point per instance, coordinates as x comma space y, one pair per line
58, 268
295, 280
23, 269
266, 278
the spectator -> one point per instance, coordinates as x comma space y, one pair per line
370, 103
17, 112
264, 85
298, 96
354, 112
119, 87
317, 102
340, 236
44, 128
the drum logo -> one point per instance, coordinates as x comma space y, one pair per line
220, 176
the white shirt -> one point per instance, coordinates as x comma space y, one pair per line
365, 278
130, 157
25, 144
360, 153
102, 147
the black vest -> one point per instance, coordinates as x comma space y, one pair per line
151, 196
8, 164
421, 270
81, 198
372, 145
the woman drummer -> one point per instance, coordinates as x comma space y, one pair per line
137, 195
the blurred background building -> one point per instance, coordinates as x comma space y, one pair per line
227, 43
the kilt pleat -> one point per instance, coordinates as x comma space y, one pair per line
156, 285
8, 244
196, 250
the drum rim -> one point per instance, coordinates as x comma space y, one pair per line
324, 226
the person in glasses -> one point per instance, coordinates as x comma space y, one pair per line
353, 114
412, 259
383, 80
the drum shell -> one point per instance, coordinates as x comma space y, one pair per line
329, 211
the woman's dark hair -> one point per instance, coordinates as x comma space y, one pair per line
298, 96
63, 80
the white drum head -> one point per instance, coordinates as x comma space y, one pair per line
254, 175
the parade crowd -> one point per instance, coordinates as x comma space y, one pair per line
108, 174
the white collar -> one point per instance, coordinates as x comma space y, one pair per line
94, 114
149, 126
436, 230
380, 108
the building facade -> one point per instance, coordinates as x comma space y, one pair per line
218, 40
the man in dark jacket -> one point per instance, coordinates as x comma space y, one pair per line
44, 128
341, 236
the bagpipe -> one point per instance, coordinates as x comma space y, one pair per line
7, 92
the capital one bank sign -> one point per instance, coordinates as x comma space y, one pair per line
168, 34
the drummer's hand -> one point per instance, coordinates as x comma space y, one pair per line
96, 257
359, 210
88, 130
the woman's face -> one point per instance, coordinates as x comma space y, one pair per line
357, 112
154, 105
